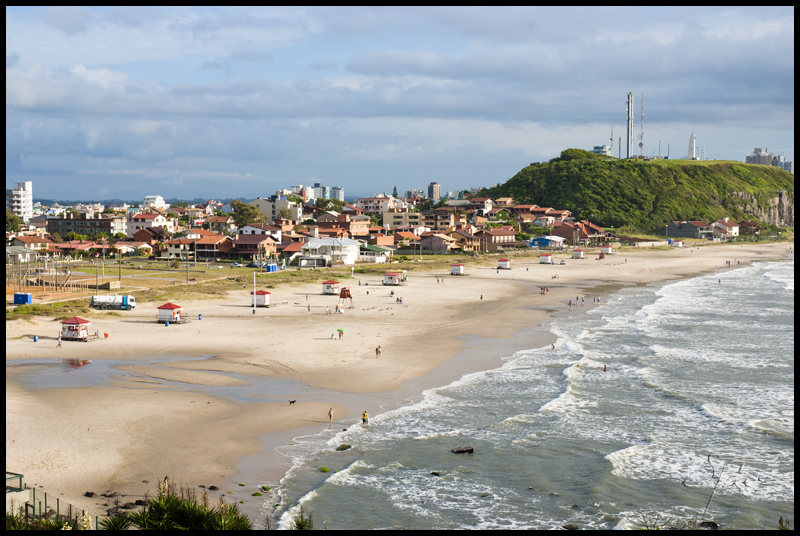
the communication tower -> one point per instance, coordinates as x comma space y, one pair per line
641, 135
629, 120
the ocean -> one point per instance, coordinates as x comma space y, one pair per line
698, 399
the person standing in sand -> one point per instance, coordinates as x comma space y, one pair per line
59, 342
330, 417
378, 352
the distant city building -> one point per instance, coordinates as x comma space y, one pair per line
322, 192
764, 158
602, 149
415, 192
306, 193
435, 190
337, 192
19, 200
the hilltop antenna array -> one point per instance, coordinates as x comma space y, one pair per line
612, 141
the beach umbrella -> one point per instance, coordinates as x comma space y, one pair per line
340, 329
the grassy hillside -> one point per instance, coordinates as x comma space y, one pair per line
641, 194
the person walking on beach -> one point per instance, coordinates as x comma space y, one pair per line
59, 342
365, 417
481, 297
327, 310
378, 351
309, 307
330, 417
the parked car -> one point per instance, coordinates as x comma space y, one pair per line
563, 261
252, 265
236, 265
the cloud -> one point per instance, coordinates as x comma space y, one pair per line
12, 59
323, 65
216, 63
68, 19
252, 55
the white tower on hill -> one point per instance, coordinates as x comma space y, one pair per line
692, 155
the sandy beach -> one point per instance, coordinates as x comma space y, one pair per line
160, 402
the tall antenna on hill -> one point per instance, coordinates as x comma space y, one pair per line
629, 120
641, 135
612, 141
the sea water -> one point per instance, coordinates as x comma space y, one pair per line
698, 399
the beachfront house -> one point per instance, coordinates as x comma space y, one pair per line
456, 269
262, 298
504, 264
545, 258
689, 229
577, 254
330, 287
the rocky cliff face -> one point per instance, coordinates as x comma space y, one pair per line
778, 209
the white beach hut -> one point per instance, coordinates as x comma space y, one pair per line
330, 287
456, 269
503, 264
392, 278
677, 243
545, 258
606, 249
577, 253
169, 312
262, 298
75, 328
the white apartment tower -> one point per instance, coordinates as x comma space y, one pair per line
19, 200
435, 190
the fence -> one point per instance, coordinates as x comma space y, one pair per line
38, 507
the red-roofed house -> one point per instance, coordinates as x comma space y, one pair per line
140, 221
495, 239
252, 246
214, 247
725, 229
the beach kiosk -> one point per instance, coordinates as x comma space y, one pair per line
330, 287
456, 269
75, 328
262, 298
503, 264
392, 279
169, 312
677, 243
577, 253
545, 258
606, 249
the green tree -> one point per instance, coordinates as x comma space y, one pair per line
244, 213
13, 222
284, 213
394, 192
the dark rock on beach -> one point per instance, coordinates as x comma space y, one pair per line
139, 502
344, 446
89, 494
570, 526
128, 506
462, 450
436, 473
710, 525
213, 488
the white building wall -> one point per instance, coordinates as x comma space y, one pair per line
19, 200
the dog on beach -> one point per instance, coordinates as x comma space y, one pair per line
292, 402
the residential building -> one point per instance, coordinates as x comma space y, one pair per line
214, 247
581, 232
393, 218
340, 250
86, 226
749, 227
306, 193
151, 235
354, 226
155, 201
321, 192
435, 190
603, 150
35, 243
180, 248
482, 204
437, 242
140, 221
377, 204
417, 192
689, 229
725, 228
220, 224
274, 209
254, 246
465, 240
19, 200
261, 229
764, 158
496, 239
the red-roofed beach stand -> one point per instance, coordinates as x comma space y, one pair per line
262, 298
545, 258
503, 264
75, 328
577, 253
169, 312
330, 287
392, 279
456, 269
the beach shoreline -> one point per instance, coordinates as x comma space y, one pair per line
428, 346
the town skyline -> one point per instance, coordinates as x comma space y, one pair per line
118, 103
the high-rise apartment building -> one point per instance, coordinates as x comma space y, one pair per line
19, 200
337, 192
435, 190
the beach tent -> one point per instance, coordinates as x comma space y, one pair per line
577, 253
330, 287
262, 298
606, 249
503, 264
456, 269
75, 328
545, 258
392, 279
169, 312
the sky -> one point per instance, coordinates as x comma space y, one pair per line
229, 102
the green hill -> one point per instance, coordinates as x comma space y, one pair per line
644, 195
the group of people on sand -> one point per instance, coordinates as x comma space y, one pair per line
364, 417
544, 290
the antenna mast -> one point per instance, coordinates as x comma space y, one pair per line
641, 135
612, 141
629, 120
